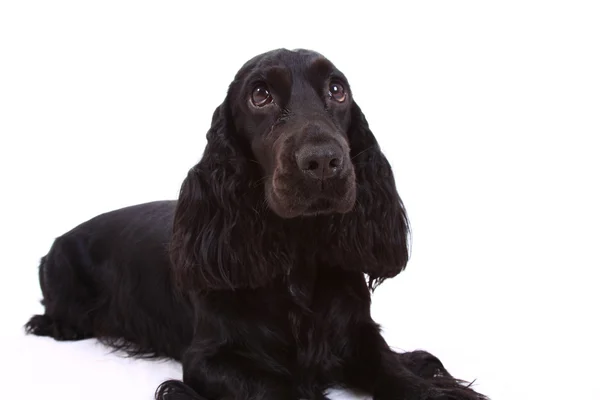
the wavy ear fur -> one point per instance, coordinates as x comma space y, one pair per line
224, 238
373, 238
221, 240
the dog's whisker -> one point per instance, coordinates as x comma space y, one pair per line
361, 152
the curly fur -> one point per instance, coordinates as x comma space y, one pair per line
371, 238
252, 280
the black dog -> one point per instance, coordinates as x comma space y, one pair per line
255, 278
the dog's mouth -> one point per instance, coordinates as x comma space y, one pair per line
320, 206
289, 203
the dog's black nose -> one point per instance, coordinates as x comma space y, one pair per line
320, 162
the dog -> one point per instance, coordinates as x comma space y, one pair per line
259, 277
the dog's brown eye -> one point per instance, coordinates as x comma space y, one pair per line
261, 95
337, 92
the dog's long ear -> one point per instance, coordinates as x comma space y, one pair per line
377, 230
220, 239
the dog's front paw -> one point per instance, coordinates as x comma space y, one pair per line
176, 390
455, 393
442, 384
450, 390
423, 364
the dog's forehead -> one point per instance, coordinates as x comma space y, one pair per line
297, 62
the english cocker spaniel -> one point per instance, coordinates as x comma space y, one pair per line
259, 277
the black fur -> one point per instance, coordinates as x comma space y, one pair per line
259, 278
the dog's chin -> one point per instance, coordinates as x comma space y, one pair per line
289, 206
326, 206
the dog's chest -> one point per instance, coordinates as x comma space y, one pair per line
300, 285
322, 311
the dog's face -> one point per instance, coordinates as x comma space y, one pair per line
294, 108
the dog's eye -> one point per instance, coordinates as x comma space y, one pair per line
261, 95
337, 92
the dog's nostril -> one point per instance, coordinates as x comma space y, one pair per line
334, 163
312, 165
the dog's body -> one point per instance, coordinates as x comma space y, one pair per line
255, 277
110, 278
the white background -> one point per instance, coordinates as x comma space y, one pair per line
488, 111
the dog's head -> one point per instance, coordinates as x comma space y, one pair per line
291, 170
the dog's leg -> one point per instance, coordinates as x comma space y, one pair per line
70, 295
226, 374
375, 368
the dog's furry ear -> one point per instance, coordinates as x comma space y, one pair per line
220, 240
375, 234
